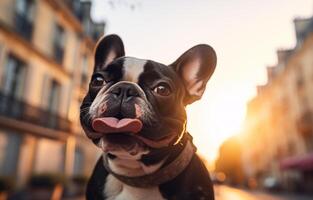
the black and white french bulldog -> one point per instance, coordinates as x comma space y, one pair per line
135, 112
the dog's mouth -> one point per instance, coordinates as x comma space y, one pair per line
113, 128
118, 144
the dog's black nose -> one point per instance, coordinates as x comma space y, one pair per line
125, 91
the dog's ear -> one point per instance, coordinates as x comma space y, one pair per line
108, 49
195, 68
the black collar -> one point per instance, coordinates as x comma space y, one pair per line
166, 173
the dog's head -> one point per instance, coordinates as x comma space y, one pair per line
134, 102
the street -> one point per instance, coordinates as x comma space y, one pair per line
223, 192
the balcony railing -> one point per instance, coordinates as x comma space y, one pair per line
13, 108
23, 26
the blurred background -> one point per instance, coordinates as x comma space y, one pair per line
253, 127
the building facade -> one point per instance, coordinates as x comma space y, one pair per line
278, 131
46, 59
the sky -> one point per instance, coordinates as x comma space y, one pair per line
244, 34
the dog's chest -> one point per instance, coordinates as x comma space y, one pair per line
116, 190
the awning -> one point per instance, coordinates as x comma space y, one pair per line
302, 163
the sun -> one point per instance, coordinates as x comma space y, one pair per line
214, 119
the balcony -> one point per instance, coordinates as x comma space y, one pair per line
15, 109
23, 26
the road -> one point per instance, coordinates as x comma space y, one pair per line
223, 192
228, 193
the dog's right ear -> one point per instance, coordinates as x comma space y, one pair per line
108, 49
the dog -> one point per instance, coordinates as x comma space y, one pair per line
135, 112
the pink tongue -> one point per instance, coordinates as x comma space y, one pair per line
114, 125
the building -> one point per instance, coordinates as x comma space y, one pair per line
46, 59
278, 132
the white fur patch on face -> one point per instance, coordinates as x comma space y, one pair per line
116, 190
133, 67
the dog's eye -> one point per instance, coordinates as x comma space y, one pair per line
162, 89
97, 80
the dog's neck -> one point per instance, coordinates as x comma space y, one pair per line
155, 167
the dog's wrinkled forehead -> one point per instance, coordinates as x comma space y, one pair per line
133, 68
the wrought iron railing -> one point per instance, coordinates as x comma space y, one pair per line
13, 108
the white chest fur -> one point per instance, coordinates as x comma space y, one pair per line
116, 190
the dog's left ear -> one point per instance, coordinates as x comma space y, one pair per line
108, 49
195, 68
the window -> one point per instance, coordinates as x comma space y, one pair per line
308, 141
76, 7
78, 162
291, 148
58, 44
84, 72
10, 153
24, 17
54, 96
299, 78
14, 77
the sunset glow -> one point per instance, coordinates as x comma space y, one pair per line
224, 113
244, 35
